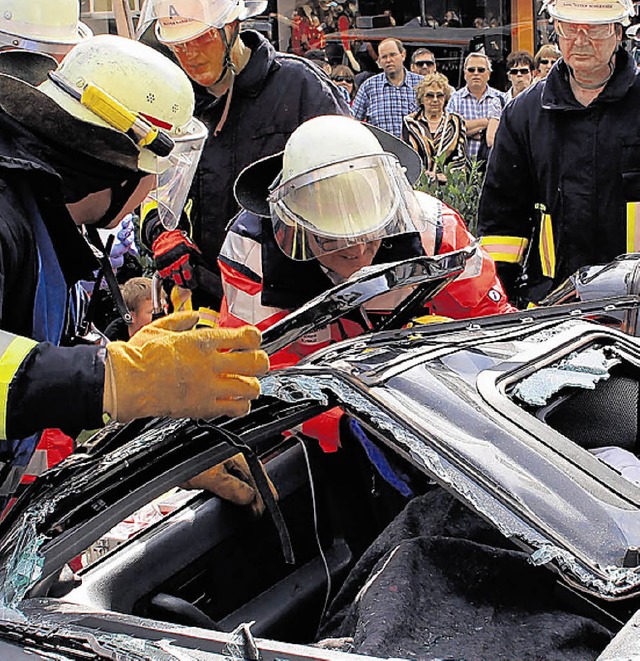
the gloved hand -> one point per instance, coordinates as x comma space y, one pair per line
176, 255
174, 369
124, 242
232, 481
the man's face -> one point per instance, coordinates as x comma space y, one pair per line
202, 58
91, 209
347, 261
390, 59
476, 74
520, 76
424, 64
587, 49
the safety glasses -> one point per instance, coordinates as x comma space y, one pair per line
596, 32
476, 69
421, 64
520, 72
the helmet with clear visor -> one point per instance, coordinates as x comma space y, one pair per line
591, 12
339, 187
182, 20
124, 85
41, 25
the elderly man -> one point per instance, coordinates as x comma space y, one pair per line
563, 183
384, 99
478, 102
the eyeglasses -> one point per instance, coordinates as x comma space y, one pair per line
343, 79
425, 63
570, 30
478, 69
434, 95
522, 72
547, 61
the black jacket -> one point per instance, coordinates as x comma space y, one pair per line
579, 165
271, 97
52, 386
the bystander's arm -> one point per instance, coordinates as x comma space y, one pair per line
492, 127
476, 126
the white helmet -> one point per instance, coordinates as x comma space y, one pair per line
183, 20
49, 26
121, 84
338, 188
591, 12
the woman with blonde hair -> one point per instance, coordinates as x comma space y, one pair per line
544, 59
432, 131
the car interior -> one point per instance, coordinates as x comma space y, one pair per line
214, 565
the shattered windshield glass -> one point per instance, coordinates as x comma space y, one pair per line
579, 370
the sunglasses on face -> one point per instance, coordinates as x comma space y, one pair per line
547, 61
478, 69
342, 79
425, 63
434, 95
571, 30
522, 72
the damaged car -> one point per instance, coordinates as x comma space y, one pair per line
481, 505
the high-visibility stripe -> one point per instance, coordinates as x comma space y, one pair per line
633, 226
505, 248
208, 317
547, 247
147, 206
13, 350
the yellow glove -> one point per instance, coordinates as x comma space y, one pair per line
232, 481
169, 368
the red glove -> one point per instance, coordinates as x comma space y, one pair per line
176, 255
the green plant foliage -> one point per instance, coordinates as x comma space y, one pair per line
461, 190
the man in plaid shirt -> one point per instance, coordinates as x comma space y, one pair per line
478, 102
383, 100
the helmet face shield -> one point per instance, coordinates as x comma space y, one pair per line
176, 172
343, 204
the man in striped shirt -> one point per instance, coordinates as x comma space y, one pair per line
384, 99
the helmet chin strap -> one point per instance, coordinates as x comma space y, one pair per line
227, 66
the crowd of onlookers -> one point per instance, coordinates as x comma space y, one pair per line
410, 98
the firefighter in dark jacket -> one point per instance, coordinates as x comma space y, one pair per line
562, 188
251, 98
84, 146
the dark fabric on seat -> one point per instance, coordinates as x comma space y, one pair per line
453, 589
605, 416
